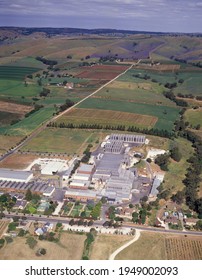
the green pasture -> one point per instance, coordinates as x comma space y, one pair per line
17, 90
194, 117
16, 72
166, 115
138, 95
58, 141
27, 125
192, 79
29, 62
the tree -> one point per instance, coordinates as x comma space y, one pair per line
162, 161
175, 154
28, 195
198, 225
178, 197
149, 160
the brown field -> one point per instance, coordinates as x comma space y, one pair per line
161, 67
156, 246
3, 226
101, 72
183, 248
17, 161
94, 116
6, 142
14, 108
105, 245
94, 75
70, 247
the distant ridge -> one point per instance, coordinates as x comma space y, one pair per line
51, 31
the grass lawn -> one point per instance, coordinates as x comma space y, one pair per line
32, 209
166, 115
58, 141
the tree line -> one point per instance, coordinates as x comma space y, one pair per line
152, 131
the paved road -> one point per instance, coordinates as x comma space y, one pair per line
52, 219
43, 125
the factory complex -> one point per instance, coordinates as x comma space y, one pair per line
110, 174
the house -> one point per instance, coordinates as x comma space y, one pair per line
20, 204
45, 228
43, 206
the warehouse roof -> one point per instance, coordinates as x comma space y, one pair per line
85, 168
14, 174
81, 193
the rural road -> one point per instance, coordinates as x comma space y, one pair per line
137, 236
53, 219
43, 125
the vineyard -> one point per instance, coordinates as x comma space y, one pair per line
183, 248
3, 226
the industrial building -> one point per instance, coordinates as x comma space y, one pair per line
80, 195
156, 183
53, 167
15, 175
128, 138
21, 187
79, 184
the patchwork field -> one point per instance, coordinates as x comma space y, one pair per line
70, 247
105, 117
153, 246
166, 115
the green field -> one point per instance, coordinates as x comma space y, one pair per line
148, 93
166, 115
27, 125
16, 90
16, 72
194, 116
59, 141
192, 79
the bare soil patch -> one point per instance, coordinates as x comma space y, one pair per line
14, 108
